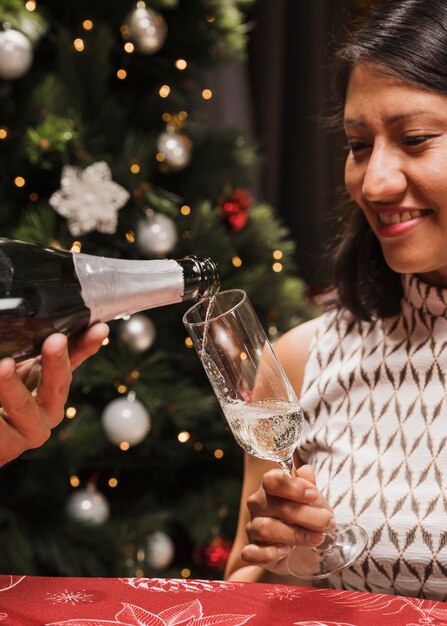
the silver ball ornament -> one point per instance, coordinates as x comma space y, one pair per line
176, 149
147, 30
138, 332
16, 54
160, 550
156, 235
126, 420
88, 506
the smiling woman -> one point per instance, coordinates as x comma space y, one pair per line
395, 171
371, 370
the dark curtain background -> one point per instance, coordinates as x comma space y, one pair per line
290, 53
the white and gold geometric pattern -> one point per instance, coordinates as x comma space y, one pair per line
374, 396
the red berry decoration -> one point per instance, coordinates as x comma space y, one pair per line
234, 208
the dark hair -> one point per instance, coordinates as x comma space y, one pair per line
406, 39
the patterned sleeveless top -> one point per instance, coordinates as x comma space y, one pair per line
374, 396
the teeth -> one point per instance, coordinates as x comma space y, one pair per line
396, 218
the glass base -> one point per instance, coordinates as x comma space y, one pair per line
339, 550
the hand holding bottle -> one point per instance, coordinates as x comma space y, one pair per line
33, 393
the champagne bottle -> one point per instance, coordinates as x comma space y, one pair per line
45, 290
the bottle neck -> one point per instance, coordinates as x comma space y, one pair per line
200, 277
113, 288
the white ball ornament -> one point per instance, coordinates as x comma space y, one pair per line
147, 29
126, 420
160, 550
156, 235
176, 149
88, 506
138, 332
16, 54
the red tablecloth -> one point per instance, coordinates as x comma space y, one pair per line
38, 601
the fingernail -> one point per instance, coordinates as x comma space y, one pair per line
332, 524
314, 539
310, 494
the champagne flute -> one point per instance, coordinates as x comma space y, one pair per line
261, 409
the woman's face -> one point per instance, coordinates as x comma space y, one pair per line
396, 169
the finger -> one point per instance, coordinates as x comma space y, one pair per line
88, 344
56, 378
22, 412
267, 556
278, 484
268, 530
306, 472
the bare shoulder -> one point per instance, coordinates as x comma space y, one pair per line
292, 350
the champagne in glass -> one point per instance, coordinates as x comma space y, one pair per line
261, 408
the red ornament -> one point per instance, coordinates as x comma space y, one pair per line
215, 555
234, 208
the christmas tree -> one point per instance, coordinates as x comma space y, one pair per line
109, 147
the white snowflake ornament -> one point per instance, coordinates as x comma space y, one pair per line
89, 199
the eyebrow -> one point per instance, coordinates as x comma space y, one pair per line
391, 120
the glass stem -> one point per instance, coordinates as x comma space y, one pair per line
287, 466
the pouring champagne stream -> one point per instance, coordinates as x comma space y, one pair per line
261, 408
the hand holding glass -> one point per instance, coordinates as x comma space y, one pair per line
261, 408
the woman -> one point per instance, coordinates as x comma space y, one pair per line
33, 393
371, 371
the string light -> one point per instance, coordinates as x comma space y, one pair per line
185, 210
218, 453
198, 446
106, 341
210, 19
122, 74
19, 181
74, 480
30, 5
277, 267
78, 44
70, 413
181, 64
188, 342
76, 246
277, 254
236, 261
135, 168
243, 356
3, 133
130, 236
129, 47
113, 482
183, 115
121, 388
33, 196
185, 572
164, 91
207, 94
124, 446
87, 24
160, 157
184, 436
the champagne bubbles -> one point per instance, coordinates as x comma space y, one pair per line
88, 506
160, 550
126, 421
137, 333
16, 54
146, 29
156, 235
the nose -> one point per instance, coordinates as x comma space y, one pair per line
384, 179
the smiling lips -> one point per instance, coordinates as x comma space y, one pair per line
399, 217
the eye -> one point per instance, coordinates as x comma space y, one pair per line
417, 140
357, 147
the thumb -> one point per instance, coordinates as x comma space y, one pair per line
306, 472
